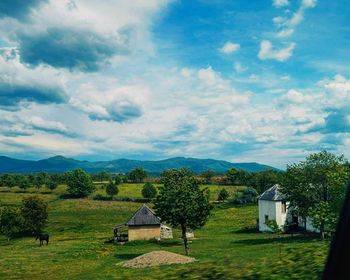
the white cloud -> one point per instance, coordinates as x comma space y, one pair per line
280, 3
229, 48
287, 26
267, 51
20, 84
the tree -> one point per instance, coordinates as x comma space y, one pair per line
52, 184
261, 181
322, 177
41, 178
323, 218
208, 176
11, 222
34, 213
231, 176
80, 183
23, 182
243, 177
181, 202
149, 191
112, 189
117, 180
137, 175
223, 195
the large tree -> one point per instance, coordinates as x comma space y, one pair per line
11, 221
34, 213
137, 175
181, 202
317, 186
79, 183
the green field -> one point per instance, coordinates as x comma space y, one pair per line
227, 247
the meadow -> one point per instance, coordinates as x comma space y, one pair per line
227, 247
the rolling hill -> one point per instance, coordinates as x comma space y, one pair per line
62, 164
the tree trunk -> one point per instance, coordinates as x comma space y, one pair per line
184, 238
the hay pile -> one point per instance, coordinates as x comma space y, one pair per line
156, 258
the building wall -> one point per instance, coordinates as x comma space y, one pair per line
144, 232
274, 211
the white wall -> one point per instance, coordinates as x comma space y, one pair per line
274, 210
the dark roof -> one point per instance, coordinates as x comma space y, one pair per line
272, 194
144, 216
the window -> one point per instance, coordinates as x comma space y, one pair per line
284, 207
266, 219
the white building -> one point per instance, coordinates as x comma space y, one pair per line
273, 206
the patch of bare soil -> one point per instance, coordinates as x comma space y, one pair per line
156, 258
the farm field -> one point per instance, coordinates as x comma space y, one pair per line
226, 247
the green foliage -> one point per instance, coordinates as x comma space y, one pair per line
261, 181
248, 195
11, 221
23, 182
223, 194
272, 224
118, 180
137, 175
34, 213
52, 184
181, 202
149, 191
40, 179
322, 177
323, 218
79, 183
231, 176
208, 176
112, 189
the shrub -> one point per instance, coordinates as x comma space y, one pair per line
149, 191
249, 195
79, 183
223, 195
34, 213
11, 222
52, 185
112, 189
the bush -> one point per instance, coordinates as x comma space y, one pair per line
112, 189
80, 183
11, 222
118, 180
34, 213
223, 195
52, 185
127, 199
249, 195
149, 191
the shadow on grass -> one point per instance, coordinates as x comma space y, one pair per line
251, 229
275, 239
127, 256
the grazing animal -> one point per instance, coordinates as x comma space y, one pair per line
42, 237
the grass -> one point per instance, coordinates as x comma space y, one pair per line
227, 247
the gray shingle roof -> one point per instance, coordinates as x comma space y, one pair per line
272, 194
144, 216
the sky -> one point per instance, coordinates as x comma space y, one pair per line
244, 81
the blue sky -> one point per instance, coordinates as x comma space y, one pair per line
264, 81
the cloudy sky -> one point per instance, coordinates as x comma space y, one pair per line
265, 81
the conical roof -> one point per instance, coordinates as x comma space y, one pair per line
144, 216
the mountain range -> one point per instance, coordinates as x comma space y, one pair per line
61, 164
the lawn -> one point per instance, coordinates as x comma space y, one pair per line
227, 247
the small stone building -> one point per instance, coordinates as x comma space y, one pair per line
144, 225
